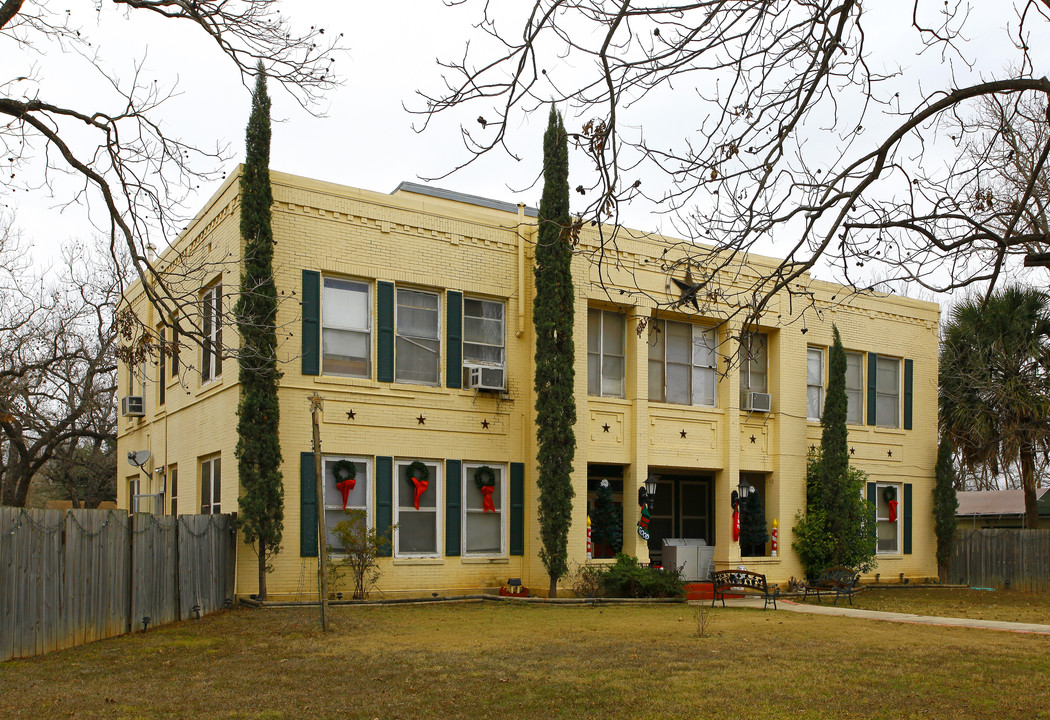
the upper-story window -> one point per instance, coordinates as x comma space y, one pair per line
855, 388
417, 349
162, 378
683, 363
754, 366
483, 334
814, 383
606, 342
211, 327
887, 392
346, 318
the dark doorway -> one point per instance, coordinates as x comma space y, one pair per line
683, 508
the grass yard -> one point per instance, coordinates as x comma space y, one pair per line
487, 660
1008, 605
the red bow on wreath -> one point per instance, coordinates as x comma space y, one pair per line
486, 499
421, 487
345, 487
893, 510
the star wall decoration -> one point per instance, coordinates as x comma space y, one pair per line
753, 438
683, 433
605, 427
350, 415
889, 453
485, 424
422, 420
688, 289
852, 451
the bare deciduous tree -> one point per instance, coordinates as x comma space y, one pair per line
784, 127
57, 366
110, 150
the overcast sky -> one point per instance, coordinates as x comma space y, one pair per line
365, 138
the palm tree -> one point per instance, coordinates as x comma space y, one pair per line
995, 384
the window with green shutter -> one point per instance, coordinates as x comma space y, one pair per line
307, 506
453, 493
517, 508
311, 354
385, 500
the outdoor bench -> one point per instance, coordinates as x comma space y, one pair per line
745, 582
840, 580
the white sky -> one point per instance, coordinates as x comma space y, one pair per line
366, 139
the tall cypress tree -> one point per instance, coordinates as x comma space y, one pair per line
552, 314
258, 445
834, 441
945, 505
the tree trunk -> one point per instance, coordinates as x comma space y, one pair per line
262, 570
1031, 510
553, 591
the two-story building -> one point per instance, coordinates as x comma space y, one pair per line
409, 314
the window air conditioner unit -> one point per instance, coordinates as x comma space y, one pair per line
132, 406
757, 402
486, 378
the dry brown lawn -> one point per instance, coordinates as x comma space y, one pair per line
488, 660
1008, 606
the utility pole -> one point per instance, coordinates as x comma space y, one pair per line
316, 403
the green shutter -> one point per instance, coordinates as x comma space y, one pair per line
874, 500
906, 518
908, 380
873, 373
453, 516
517, 508
385, 327
454, 337
307, 506
385, 500
311, 322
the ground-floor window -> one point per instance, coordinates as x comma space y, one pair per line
346, 482
211, 483
417, 498
681, 509
887, 517
484, 488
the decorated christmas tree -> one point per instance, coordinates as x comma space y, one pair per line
606, 523
753, 533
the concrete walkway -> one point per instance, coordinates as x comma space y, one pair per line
847, 611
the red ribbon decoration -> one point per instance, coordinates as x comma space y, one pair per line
345, 487
893, 510
421, 487
736, 525
486, 499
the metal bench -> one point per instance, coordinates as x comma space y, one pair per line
745, 582
839, 580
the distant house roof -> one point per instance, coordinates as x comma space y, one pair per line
1000, 502
418, 189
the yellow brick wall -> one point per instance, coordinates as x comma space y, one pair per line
437, 244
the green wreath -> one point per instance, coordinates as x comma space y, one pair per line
889, 494
418, 471
484, 476
344, 470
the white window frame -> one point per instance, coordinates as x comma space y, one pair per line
700, 335
815, 389
474, 361
162, 379
211, 328
882, 393
214, 462
172, 478
333, 498
133, 493
882, 515
597, 356
435, 486
501, 507
855, 396
401, 338
749, 365
331, 320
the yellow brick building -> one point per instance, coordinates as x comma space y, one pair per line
409, 314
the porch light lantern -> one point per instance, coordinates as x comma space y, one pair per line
742, 491
647, 492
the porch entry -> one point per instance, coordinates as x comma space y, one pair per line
683, 508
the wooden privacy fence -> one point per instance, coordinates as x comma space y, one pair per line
71, 577
1015, 559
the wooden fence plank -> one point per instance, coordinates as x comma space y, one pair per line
1002, 558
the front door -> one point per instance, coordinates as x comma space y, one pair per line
682, 508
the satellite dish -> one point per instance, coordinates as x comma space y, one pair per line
138, 458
